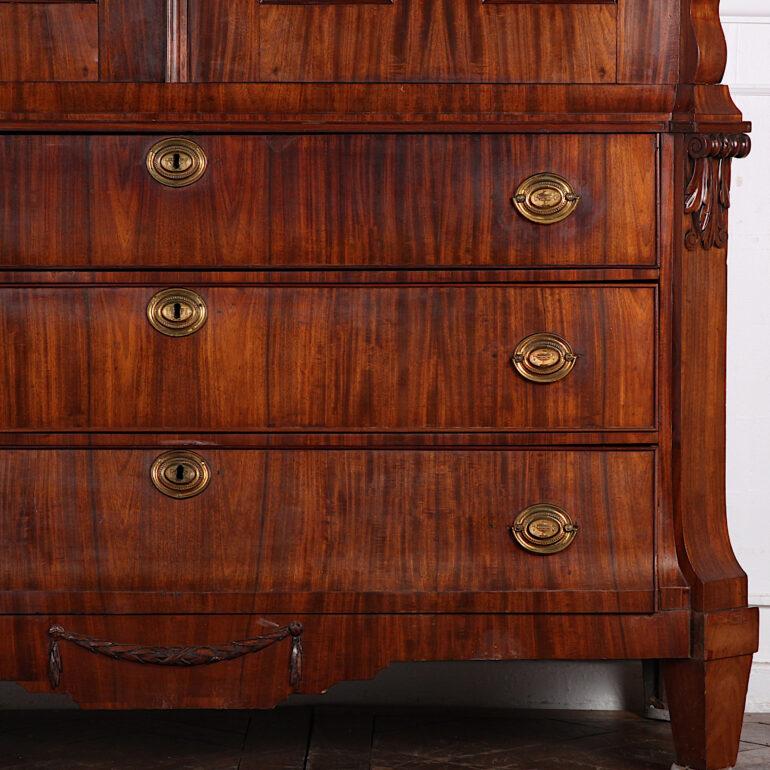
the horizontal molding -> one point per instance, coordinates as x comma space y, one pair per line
750, 90
745, 20
760, 600
744, 8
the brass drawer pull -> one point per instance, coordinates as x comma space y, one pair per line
545, 199
176, 162
544, 529
177, 312
180, 474
182, 657
544, 358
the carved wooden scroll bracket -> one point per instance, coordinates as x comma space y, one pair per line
707, 198
178, 656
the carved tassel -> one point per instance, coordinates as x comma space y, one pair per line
54, 657
295, 659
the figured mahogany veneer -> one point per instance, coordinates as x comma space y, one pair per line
365, 524
262, 679
405, 201
49, 41
429, 40
415, 358
350, 399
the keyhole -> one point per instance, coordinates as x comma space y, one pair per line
176, 163
180, 472
177, 310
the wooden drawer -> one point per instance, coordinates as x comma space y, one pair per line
336, 648
415, 358
337, 200
325, 531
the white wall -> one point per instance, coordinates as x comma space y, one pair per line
747, 25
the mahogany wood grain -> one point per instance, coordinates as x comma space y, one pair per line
329, 108
670, 573
325, 2
261, 680
298, 439
726, 634
648, 41
367, 280
407, 201
516, 601
550, 2
699, 419
426, 41
49, 41
328, 277
132, 40
177, 41
704, 49
707, 701
357, 522
414, 358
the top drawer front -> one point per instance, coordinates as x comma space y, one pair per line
337, 200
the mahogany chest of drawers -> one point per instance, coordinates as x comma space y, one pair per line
339, 333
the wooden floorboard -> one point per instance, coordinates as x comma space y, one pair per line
341, 740
348, 739
277, 740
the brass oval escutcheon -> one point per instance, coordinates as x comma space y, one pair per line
544, 358
180, 474
176, 162
177, 312
545, 199
544, 529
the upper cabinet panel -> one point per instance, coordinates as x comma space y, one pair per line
648, 41
465, 41
361, 41
49, 41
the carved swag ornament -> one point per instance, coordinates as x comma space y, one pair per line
707, 198
204, 655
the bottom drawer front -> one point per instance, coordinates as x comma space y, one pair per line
330, 530
335, 648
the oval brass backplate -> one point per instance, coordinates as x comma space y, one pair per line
177, 312
176, 162
544, 529
545, 199
544, 358
180, 474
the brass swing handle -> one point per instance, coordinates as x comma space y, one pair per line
544, 529
546, 199
544, 358
182, 657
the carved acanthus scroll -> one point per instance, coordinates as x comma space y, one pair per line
707, 198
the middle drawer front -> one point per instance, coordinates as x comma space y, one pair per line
335, 358
285, 524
